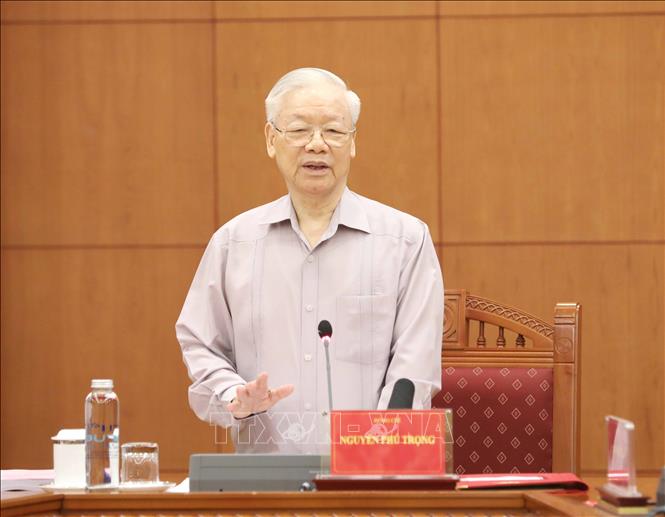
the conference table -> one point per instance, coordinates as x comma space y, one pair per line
321, 503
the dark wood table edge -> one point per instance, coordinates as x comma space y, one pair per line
202, 502
31, 503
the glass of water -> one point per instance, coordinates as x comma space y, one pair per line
140, 463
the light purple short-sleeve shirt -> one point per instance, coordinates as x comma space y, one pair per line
257, 298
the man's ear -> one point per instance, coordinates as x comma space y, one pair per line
353, 146
270, 139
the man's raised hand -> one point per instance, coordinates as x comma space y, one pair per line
256, 397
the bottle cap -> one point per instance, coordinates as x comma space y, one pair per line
102, 383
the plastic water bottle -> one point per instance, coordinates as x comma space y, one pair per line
102, 436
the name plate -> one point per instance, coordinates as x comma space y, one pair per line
387, 442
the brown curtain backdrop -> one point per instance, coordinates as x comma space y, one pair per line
529, 136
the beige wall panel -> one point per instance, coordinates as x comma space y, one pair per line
396, 143
553, 128
620, 288
106, 134
545, 7
58, 10
69, 316
321, 9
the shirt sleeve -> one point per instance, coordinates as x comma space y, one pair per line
205, 333
415, 351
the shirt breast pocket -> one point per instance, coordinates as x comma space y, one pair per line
364, 327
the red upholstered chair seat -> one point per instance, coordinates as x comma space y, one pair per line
502, 418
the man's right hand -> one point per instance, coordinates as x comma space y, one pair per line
256, 397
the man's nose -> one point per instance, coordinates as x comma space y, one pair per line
317, 143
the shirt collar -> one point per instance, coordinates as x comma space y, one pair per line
349, 212
278, 211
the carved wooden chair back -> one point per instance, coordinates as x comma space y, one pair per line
513, 387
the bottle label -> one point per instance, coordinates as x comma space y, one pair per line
102, 454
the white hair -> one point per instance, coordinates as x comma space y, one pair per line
304, 77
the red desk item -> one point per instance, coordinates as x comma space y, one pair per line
401, 442
564, 480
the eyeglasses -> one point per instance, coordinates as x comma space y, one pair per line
301, 136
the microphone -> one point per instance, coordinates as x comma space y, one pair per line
325, 333
402, 396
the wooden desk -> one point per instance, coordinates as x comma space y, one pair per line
351, 503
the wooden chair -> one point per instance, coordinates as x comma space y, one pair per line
514, 390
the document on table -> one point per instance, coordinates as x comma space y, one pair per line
22, 480
180, 488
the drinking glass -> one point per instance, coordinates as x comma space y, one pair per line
140, 463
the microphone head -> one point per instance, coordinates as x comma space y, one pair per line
325, 329
402, 396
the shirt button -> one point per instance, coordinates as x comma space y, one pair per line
308, 405
310, 259
308, 308
308, 357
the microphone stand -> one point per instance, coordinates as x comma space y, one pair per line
326, 342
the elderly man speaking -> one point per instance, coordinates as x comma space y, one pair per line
248, 328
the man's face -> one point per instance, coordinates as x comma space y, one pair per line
314, 169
